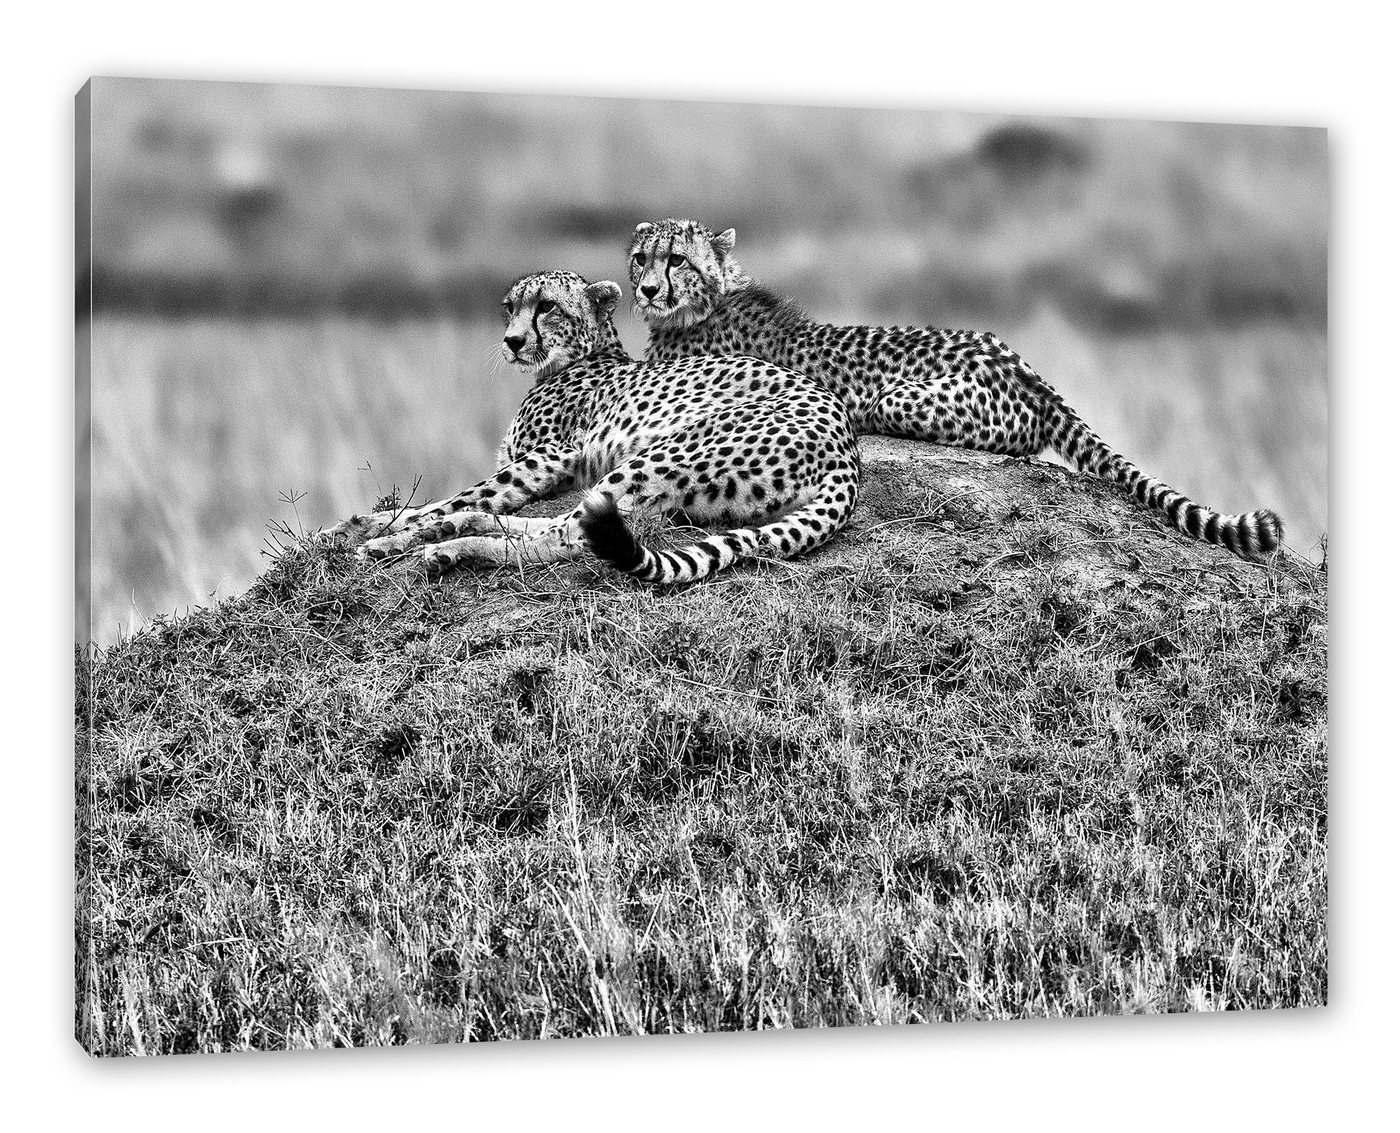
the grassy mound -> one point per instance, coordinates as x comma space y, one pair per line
1008, 747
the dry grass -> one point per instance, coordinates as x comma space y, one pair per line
979, 759
200, 427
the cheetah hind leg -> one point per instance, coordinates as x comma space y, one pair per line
490, 523
549, 540
454, 527
1002, 418
537, 475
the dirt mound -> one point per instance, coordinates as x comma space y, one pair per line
995, 519
1006, 747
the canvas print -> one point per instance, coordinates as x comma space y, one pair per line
564, 566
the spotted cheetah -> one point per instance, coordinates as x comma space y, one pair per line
953, 387
716, 440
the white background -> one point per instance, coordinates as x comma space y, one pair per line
1326, 65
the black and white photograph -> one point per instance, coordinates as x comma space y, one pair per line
554, 566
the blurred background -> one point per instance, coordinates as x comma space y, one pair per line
293, 289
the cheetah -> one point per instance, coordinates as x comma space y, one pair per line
733, 441
952, 387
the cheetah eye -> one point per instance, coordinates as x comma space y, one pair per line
676, 259
544, 306
640, 259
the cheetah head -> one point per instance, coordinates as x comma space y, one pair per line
679, 270
554, 318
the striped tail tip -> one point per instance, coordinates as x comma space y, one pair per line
1261, 531
607, 533
1249, 535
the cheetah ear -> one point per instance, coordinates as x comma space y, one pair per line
645, 226
723, 244
603, 295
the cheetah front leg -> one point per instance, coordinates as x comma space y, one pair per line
359, 527
537, 475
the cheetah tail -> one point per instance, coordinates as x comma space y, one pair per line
1251, 534
796, 533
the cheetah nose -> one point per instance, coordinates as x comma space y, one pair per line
514, 342
649, 292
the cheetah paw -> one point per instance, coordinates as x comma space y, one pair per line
471, 523
390, 545
437, 563
359, 527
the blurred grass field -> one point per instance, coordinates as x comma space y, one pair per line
1168, 279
